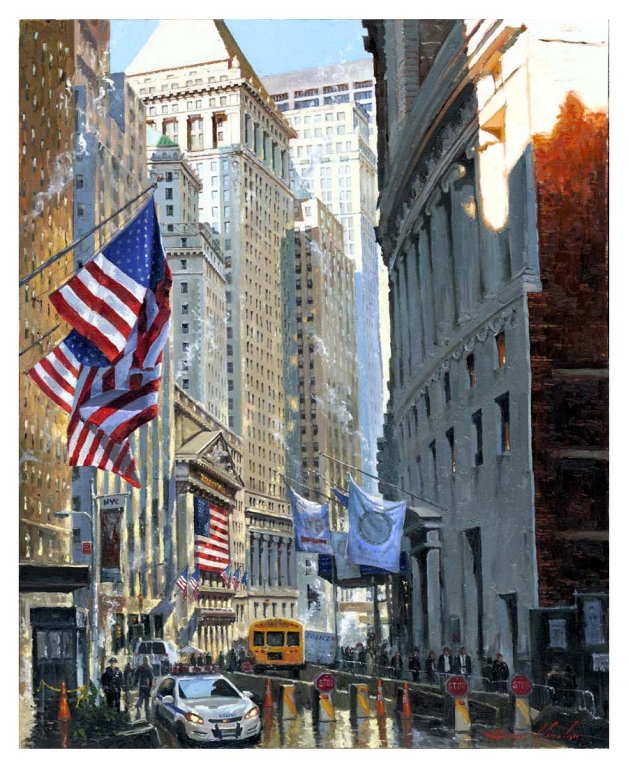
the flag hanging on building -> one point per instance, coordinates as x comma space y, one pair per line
311, 525
245, 579
226, 575
108, 397
105, 298
342, 498
344, 569
211, 536
195, 582
235, 579
375, 530
182, 583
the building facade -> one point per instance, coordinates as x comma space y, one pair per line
333, 156
497, 405
210, 101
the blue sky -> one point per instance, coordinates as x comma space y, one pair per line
271, 45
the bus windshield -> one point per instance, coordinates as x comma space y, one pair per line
274, 639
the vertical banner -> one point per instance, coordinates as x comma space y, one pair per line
111, 508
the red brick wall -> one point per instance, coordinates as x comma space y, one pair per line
569, 330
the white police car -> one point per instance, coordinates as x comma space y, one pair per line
206, 708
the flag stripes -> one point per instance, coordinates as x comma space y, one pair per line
211, 536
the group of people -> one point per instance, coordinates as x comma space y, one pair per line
564, 685
113, 681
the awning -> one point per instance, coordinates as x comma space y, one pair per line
53, 578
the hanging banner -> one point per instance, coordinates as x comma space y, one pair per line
311, 525
110, 537
375, 530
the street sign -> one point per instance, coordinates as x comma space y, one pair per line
457, 686
325, 683
246, 666
86, 547
115, 501
520, 685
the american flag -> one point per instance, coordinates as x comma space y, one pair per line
211, 536
195, 582
108, 398
182, 583
226, 575
245, 579
104, 299
235, 579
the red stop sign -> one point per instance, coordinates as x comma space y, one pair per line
325, 683
456, 685
520, 685
246, 666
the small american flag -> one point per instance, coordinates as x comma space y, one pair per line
182, 583
226, 575
195, 582
245, 579
235, 580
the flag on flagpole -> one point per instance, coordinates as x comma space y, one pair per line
245, 579
226, 575
195, 582
235, 579
109, 397
342, 498
182, 583
311, 525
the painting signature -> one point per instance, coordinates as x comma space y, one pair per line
548, 731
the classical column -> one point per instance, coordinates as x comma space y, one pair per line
404, 308
418, 631
426, 285
395, 313
274, 560
255, 575
292, 566
444, 287
265, 547
433, 590
283, 569
417, 350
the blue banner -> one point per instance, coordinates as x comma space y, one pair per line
375, 530
311, 525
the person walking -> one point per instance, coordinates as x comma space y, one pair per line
462, 663
192, 660
397, 664
221, 659
129, 682
414, 664
445, 662
231, 660
383, 660
112, 681
370, 662
555, 681
361, 657
431, 667
145, 680
500, 673
208, 659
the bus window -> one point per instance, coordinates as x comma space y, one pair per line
292, 639
258, 638
274, 639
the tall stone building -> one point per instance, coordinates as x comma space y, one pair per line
201, 92
493, 208
332, 112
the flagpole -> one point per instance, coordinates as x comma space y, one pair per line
383, 482
335, 597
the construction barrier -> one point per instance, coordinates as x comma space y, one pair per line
64, 709
268, 697
522, 719
406, 711
287, 707
462, 720
325, 706
381, 706
359, 705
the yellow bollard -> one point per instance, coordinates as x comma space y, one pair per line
462, 721
359, 705
287, 707
523, 721
326, 711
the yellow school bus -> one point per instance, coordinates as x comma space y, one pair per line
277, 644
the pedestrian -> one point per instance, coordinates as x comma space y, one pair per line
414, 664
129, 682
500, 674
221, 659
241, 655
569, 685
397, 664
231, 660
370, 662
431, 667
445, 662
112, 681
192, 660
145, 680
555, 681
383, 659
362, 658
462, 663
487, 674
208, 659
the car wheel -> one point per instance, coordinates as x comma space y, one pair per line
181, 734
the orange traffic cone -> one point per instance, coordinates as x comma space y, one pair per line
381, 710
64, 709
268, 698
406, 712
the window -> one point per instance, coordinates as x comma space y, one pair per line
184, 309
184, 287
593, 626
170, 210
503, 404
80, 209
557, 633
79, 182
433, 463
195, 138
168, 175
168, 193
452, 449
471, 371
500, 343
478, 457
447, 387
185, 345
185, 327
184, 263
184, 244
185, 383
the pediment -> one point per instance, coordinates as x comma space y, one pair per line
212, 449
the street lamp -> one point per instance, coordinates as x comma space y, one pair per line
94, 575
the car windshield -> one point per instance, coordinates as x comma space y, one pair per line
147, 648
203, 689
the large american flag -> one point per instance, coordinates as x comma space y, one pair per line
211, 536
108, 399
